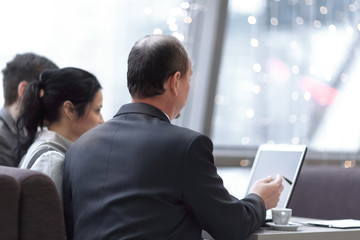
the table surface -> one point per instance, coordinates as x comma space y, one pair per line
304, 232
235, 180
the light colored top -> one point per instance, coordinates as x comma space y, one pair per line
51, 162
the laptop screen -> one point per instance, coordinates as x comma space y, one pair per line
272, 159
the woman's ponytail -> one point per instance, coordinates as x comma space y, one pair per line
31, 114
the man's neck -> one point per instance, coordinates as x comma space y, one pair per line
14, 110
158, 103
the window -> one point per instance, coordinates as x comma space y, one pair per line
282, 71
289, 74
94, 35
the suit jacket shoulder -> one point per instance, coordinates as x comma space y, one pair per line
8, 140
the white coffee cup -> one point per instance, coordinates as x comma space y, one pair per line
281, 216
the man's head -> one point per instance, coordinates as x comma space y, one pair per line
152, 61
24, 68
158, 65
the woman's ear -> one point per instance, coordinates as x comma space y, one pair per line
69, 110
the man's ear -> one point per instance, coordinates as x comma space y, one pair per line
173, 82
21, 88
69, 110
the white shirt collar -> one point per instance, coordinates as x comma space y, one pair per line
166, 115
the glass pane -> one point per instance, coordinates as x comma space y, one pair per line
290, 74
94, 35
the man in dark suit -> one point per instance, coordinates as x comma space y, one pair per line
21, 70
138, 176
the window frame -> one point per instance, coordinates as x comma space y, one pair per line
206, 52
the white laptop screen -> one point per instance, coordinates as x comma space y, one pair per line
285, 160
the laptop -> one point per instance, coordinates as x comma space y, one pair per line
283, 159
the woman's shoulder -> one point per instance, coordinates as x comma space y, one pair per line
42, 151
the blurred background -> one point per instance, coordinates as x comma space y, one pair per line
265, 71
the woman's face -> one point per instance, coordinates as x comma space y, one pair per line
92, 116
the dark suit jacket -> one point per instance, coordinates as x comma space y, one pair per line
138, 176
8, 140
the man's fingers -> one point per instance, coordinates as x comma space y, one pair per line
268, 179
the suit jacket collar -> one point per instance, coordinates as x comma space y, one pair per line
8, 120
142, 108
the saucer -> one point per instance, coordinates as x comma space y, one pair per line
290, 227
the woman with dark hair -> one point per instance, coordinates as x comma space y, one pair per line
64, 104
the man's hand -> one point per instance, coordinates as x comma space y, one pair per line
269, 190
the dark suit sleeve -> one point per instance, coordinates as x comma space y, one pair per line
219, 213
7, 155
67, 200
